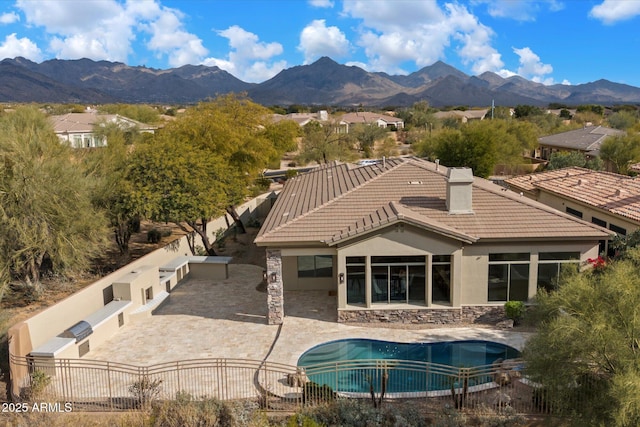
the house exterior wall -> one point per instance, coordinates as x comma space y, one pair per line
401, 240
290, 270
469, 265
588, 212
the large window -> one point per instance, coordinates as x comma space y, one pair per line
508, 277
397, 279
441, 279
356, 283
315, 266
551, 265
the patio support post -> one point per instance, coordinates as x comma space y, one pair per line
275, 294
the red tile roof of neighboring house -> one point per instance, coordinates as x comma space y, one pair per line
339, 201
617, 194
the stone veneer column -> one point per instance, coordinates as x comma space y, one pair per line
275, 294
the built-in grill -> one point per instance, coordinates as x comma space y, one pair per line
79, 331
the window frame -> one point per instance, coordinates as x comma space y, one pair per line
508, 259
315, 269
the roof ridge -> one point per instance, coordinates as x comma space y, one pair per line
409, 217
388, 167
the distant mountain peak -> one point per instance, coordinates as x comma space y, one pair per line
325, 81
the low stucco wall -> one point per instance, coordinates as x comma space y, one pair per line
37, 330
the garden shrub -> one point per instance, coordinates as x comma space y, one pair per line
514, 310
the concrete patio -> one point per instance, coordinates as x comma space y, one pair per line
227, 319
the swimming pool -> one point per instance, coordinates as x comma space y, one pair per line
348, 365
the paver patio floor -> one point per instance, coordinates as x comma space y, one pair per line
227, 319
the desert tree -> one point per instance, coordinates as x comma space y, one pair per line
47, 220
567, 159
111, 191
366, 136
322, 143
621, 151
206, 161
585, 354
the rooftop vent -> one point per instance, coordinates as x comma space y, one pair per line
459, 190
79, 331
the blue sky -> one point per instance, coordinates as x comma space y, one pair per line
549, 41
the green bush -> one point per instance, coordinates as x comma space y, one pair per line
514, 310
154, 236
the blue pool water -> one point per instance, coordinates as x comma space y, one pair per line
407, 377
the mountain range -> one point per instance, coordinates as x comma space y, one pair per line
324, 82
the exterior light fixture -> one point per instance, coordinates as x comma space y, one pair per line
341, 278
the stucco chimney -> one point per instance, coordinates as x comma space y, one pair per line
459, 190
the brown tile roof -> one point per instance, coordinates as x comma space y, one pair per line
340, 201
616, 194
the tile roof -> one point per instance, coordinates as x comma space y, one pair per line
84, 122
588, 139
611, 192
368, 117
339, 201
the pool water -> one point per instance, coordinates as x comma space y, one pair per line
414, 378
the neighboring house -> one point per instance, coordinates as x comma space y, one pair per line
302, 119
410, 241
586, 140
603, 198
463, 116
368, 118
77, 129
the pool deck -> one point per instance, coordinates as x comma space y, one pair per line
227, 319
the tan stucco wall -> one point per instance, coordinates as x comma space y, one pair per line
475, 264
292, 282
209, 271
588, 212
55, 319
398, 240
470, 263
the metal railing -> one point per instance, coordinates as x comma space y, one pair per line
102, 385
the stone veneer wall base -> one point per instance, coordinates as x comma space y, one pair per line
436, 316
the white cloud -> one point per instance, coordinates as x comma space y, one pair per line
169, 38
357, 64
318, 40
612, 11
12, 47
419, 31
248, 59
321, 3
9, 18
107, 29
505, 74
521, 10
532, 68
475, 41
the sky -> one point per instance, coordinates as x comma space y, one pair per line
547, 41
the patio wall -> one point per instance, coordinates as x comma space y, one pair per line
37, 330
